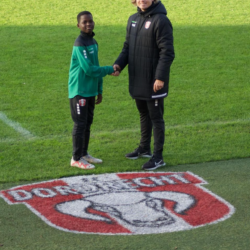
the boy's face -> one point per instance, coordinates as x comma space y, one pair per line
86, 24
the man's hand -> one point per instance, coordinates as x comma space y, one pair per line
158, 85
117, 67
117, 70
98, 99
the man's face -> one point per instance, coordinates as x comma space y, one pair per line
144, 4
86, 24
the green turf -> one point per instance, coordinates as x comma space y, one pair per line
21, 229
206, 113
194, 142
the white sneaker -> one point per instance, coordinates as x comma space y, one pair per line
81, 164
91, 159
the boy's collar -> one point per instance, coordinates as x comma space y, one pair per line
87, 35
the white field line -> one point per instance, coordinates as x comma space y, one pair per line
16, 126
121, 131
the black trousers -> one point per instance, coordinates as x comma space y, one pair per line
82, 113
151, 117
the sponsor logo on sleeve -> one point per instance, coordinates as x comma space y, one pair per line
123, 203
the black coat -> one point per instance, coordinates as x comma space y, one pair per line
148, 51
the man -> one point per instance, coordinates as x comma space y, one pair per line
149, 53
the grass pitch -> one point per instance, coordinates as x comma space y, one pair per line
206, 113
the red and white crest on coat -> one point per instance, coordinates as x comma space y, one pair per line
82, 102
123, 203
147, 24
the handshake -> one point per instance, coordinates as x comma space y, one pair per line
117, 70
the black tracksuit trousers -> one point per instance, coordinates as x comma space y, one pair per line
82, 113
151, 116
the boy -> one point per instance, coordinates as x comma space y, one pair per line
85, 83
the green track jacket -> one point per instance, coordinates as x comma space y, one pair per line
85, 74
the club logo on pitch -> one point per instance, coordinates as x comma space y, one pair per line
123, 203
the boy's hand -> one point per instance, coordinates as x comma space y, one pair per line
98, 99
116, 73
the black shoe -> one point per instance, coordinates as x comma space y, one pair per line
153, 163
139, 152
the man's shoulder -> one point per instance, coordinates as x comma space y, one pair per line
161, 19
133, 16
160, 16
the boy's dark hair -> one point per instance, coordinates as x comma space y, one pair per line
81, 14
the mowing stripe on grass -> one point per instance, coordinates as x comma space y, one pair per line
181, 126
210, 123
16, 126
119, 131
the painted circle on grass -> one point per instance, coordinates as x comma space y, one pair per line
123, 203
